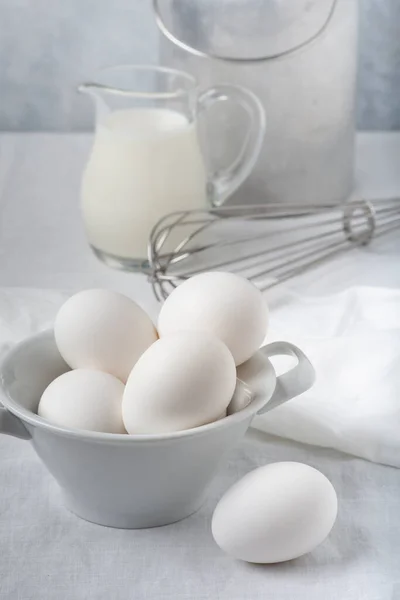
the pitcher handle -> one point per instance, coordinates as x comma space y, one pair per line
226, 181
11, 425
294, 382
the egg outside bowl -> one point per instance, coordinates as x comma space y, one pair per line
134, 481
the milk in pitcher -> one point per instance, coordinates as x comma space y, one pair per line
145, 163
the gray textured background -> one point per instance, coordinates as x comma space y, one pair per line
47, 46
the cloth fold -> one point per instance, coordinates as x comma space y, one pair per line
353, 340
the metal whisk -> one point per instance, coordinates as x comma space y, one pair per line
268, 244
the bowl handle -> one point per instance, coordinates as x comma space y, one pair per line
292, 383
11, 425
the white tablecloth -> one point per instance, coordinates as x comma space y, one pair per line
46, 553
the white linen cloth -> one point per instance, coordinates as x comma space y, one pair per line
353, 340
48, 554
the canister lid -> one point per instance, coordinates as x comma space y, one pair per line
234, 30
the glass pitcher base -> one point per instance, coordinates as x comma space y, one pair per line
134, 265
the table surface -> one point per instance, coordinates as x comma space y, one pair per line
47, 554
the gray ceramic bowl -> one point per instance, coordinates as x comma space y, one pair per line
135, 481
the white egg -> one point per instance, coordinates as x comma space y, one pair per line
275, 513
184, 380
258, 376
223, 304
84, 399
103, 330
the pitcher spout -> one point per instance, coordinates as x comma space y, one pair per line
96, 92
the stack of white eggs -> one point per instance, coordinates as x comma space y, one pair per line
129, 377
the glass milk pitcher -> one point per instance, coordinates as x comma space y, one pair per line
148, 157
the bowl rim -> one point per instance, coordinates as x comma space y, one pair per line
27, 416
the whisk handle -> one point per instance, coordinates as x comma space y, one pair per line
292, 383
